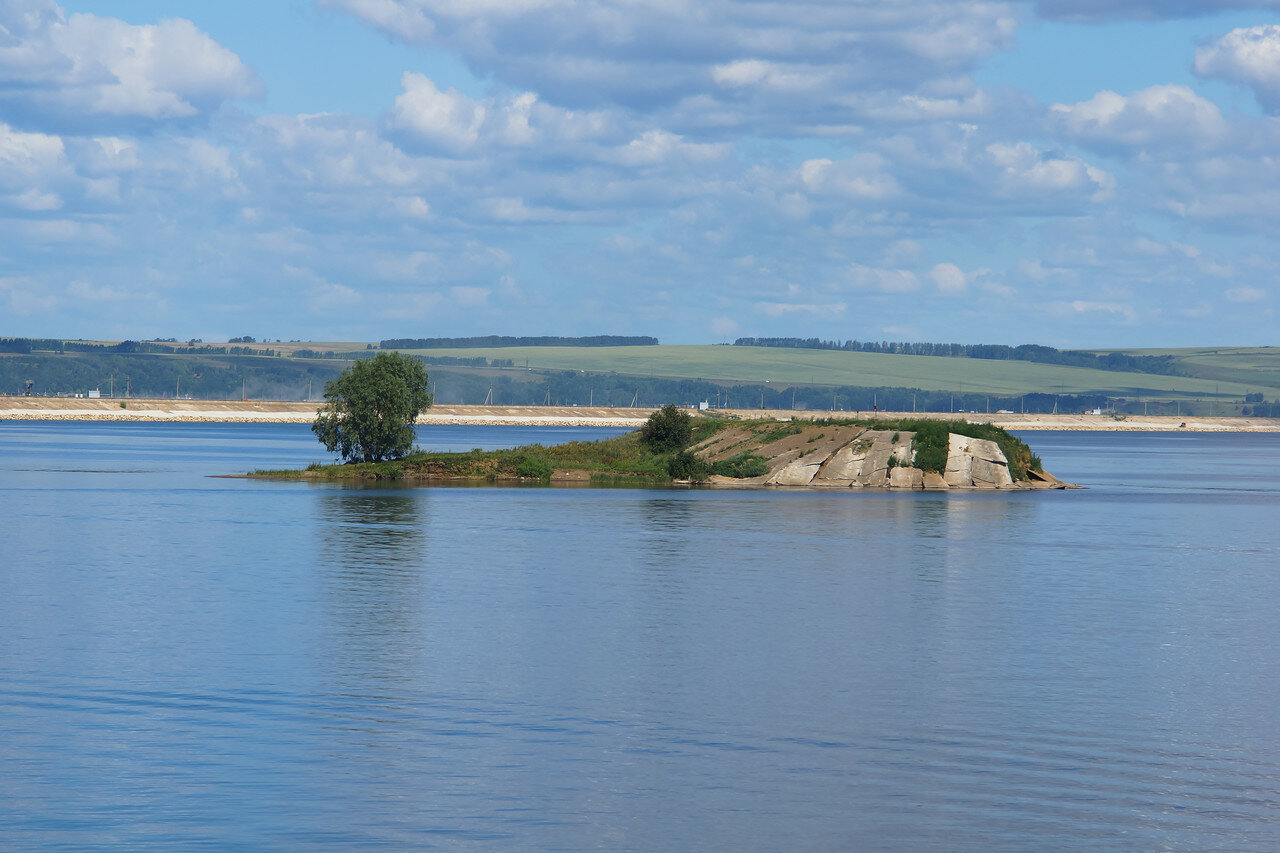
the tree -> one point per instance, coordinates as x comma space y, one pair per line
371, 407
667, 429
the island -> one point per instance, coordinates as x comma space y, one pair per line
908, 454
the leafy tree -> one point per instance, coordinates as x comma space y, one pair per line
667, 429
371, 407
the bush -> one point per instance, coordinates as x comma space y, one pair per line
534, 468
685, 466
741, 466
667, 430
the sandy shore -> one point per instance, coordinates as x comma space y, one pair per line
238, 411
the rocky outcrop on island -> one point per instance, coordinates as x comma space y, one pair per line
860, 457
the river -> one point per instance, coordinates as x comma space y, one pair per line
189, 661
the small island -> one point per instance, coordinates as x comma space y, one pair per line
675, 447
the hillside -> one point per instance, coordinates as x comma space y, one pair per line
928, 373
1203, 381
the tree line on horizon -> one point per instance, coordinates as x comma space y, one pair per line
1164, 365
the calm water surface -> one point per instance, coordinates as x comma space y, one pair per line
197, 662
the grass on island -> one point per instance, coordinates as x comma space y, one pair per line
625, 458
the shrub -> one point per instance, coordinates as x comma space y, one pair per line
741, 466
534, 468
667, 429
685, 466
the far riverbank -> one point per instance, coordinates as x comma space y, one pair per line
265, 411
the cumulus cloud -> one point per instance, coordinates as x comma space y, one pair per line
861, 176
714, 64
1166, 116
883, 280
1248, 56
448, 119
427, 118
949, 278
80, 69
1022, 167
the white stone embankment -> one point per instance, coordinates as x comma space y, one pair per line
239, 411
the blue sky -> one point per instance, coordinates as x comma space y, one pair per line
1067, 172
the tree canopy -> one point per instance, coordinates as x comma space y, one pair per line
370, 408
667, 429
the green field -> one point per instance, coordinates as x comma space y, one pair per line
1222, 373
1248, 365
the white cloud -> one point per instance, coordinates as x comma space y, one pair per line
949, 278
1248, 56
86, 66
29, 164
37, 200
1023, 167
1167, 116
1245, 294
884, 280
448, 119
781, 309
718, 63
658, 146
452, 122
1088, 307
861, 176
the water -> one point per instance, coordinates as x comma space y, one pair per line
196, 662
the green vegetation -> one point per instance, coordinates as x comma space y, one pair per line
667, 429
371, 407
741, 466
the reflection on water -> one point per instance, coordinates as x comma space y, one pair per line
372, 565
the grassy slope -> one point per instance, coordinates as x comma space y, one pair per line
1225, 371
825, 367
1258, 367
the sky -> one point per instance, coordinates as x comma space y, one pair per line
1074, 173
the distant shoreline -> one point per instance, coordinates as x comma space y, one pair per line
241, 411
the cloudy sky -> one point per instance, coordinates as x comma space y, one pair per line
1065, 172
